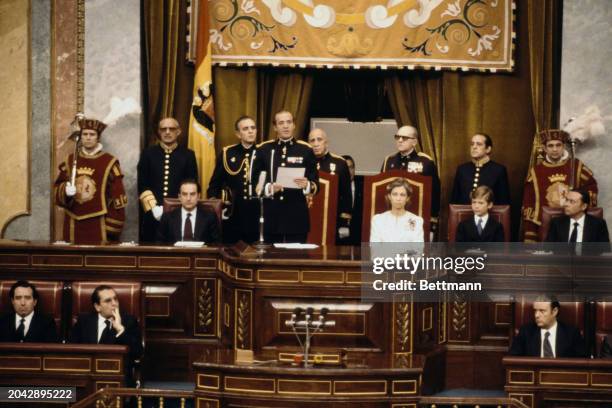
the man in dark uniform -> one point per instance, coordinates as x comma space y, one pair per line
481, 171
286, 210
231, 182
334, 164
408, 159
356, 203
161, 169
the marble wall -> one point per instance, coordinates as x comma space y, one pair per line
586, 79
36, 225
112, 73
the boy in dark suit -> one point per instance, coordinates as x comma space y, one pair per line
25, 324
481, 227
189, 222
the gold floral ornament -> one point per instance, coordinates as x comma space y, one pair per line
441, 34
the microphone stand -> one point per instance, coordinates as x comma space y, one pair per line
572, 143
261, 245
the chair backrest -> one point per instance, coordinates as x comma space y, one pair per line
375, 190
50, 297
572, 313
548, 213
603, 324
323, 210
213, 205
130, 297
460, 212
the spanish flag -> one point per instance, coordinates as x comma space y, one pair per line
202, 117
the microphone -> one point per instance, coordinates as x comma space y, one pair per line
260, 183
309, 312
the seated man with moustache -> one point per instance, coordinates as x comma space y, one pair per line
548, 337
25, 324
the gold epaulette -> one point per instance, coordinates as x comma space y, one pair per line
303, 142
266, 142
346, 216
336, 156
386, 160
424, 155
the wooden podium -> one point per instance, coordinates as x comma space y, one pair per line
375, 190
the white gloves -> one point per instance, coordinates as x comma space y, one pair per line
224, 215
343, 232
157, 211
70, 190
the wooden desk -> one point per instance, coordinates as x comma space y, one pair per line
373, 381
560, 382
86, 367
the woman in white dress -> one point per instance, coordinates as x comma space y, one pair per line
397, 224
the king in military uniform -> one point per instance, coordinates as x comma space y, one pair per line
93, 198
231, 182
161, 169
285, 210
548, 182
409, 160
334, 164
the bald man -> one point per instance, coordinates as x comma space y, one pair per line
408, 159
334, 164
161, 169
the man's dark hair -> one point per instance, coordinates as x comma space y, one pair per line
584, 196
488, 140
240, 119
23, 284
554, 302
95, 296
189, 181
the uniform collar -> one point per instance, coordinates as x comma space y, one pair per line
168, 149
324, 157
563, 159
481, 162
410, 155
94, 153
288, 142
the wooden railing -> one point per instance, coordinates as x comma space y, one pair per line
477, 402
115, 397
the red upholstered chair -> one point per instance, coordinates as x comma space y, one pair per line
572, 313
375, 190
460, 212
213, 205
548, 213
50, 298
323, 211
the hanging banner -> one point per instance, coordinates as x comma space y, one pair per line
429, 34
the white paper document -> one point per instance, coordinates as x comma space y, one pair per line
286, 176
295, 245
189, 244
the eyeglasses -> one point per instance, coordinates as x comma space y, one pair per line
402, 138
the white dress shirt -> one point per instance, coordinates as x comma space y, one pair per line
580, 222
552, 339
184, 217
26, 323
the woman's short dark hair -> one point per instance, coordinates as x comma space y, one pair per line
399, 182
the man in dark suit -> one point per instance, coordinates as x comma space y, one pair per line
25, 324
190, 222
547, 337
576, 225
356, 204
480, 171
108, 325
481, 227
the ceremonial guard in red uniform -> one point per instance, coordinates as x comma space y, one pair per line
548, 182
91, 190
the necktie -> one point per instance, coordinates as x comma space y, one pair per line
548, 353
188, 230
479, 226
574, 236
21, 330
107, 335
